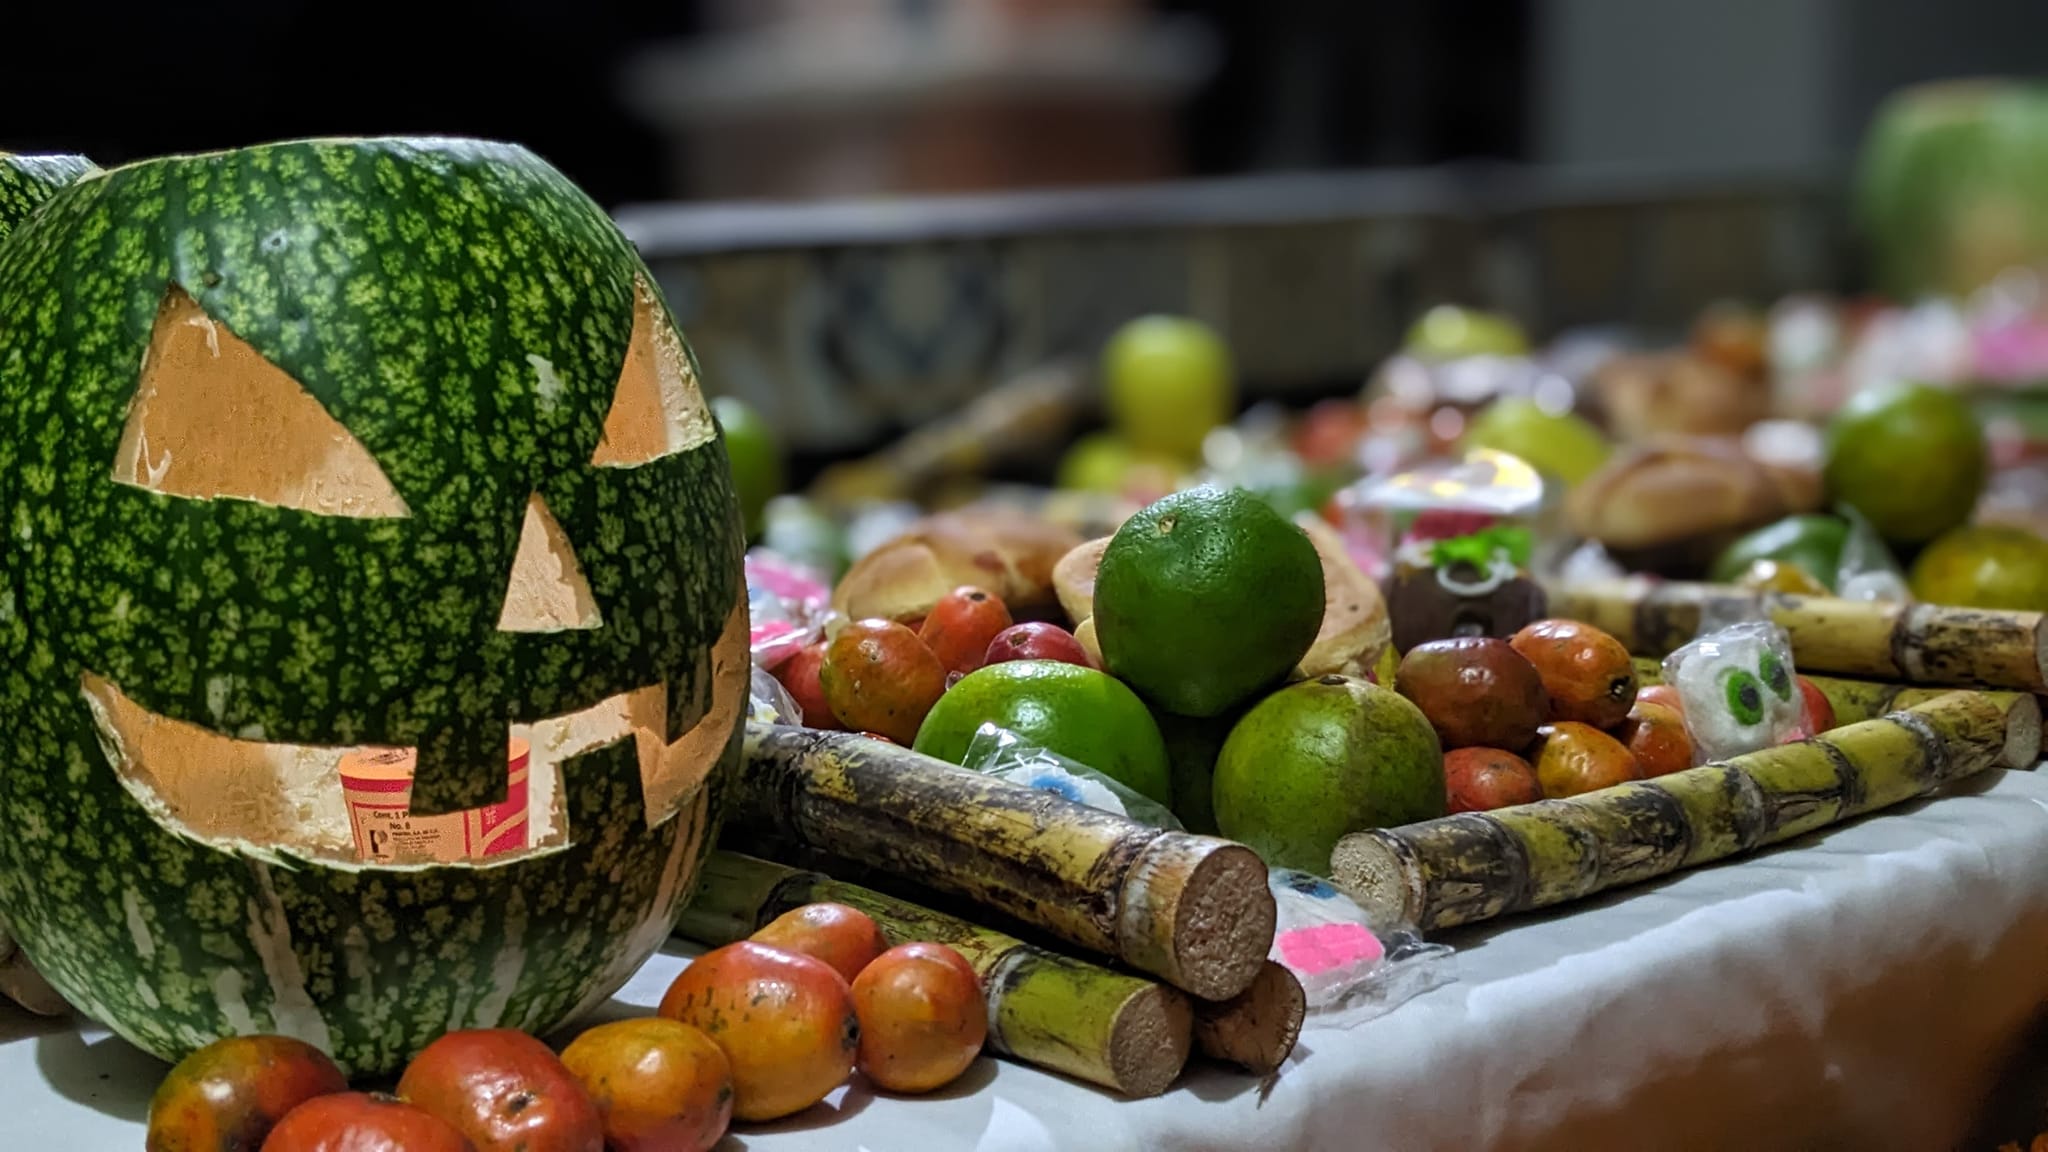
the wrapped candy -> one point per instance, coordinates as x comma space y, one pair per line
1460, 561
1738, 690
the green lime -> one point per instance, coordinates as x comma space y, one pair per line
1206, 598
1321, 759
1168, 381
1065, 708
1191, 747
1813, 544
1448, 332
756, 456
1910, 457
1984, 566
1560, 444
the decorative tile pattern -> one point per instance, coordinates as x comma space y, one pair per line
846, 344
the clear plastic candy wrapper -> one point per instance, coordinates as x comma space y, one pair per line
1867, 570
788, 606
1739, 690
768, 702
1350, 970
1005, 755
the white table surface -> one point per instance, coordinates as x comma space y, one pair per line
1857, 989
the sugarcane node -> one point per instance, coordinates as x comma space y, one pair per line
1639, 833
1256, 1029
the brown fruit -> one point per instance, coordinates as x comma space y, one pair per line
922, 1017
361, 1122
846, 938
879, 677
799, 674
961, 625
661, 1085
1482, 779
227, 1096
1588, 673
505, 1091
1656, 737
1476, 691
1576, 758
785, 1020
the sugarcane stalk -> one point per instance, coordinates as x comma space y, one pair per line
1853, 701
1108, 1028
1257, 1028
1479, 865
1920, 644
1194, 911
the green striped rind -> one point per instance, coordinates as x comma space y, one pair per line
27, 181
409, 286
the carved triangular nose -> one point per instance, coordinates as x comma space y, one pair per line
547, 592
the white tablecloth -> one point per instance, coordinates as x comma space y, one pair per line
1859, 989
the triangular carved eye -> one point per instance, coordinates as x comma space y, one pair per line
213, 419
658, 409
547, 592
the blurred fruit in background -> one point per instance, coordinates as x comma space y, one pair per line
1733, 335
1985, 566
1557, 444
1808, 544
1451, 332
756, 456
1167, 382
1910, 457
1952, 185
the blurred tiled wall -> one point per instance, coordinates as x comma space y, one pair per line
846, 324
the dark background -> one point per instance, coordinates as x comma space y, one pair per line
1299, 83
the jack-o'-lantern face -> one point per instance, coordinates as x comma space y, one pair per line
336, 446
226, 433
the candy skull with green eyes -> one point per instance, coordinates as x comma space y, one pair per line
1738, 690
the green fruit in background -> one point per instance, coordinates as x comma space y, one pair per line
1812, 543
1205, 599
1952, 185
1448, 332
756, 456
1984, 566
1321, 759
1910, 457
319, 454
1557, 444
1167, 382
1065, 708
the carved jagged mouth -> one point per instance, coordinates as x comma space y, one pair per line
242, 792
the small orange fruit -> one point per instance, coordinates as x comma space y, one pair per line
361, 1122
846, 938
1588, 673
922, 1017
878, 676
504, 1090
662, 1086
1577, 758
227, 1096
784, 1019
1657, 738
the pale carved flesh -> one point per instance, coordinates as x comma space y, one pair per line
212, 418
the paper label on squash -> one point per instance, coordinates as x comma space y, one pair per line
376, 784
